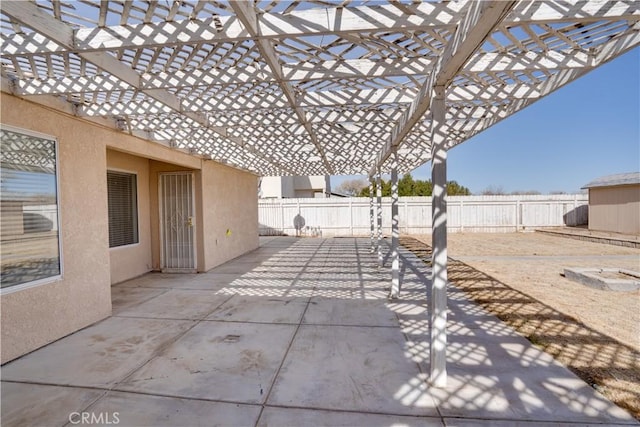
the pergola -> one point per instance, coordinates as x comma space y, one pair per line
319, 87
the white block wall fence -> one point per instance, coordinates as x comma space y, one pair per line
473, 214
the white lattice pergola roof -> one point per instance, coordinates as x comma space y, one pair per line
305, 87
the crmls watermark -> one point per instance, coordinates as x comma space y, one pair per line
102, 418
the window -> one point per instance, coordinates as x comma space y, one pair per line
123, 208
29, 237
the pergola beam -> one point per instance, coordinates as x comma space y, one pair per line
314, 86
247, 14
353, 115
473, 29
221, 29
313, 22
30, 15
606, 52
584, 11
358, 68
528, 61
344, 69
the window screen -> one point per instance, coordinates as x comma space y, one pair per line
123, 208
29, 237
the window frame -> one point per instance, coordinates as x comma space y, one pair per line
128, 245
58, 277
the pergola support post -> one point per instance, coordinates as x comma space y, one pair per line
379, 205
372, 216
395, 234
438, 348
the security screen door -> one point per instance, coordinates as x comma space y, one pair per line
177, 222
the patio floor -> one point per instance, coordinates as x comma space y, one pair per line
298, 332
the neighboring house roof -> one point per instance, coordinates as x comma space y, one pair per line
613, 180
336, 194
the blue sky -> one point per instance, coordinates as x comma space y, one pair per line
587, 129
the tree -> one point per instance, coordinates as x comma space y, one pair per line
493, 191
385, 185
352, 187
422, 188
455, 189
386, 188
407, 186
525, 193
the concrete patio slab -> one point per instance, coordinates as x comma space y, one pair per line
513, 395
351, 368
281, 275
273, 288
97, 356
347, 276
123, 297
295, 270
479, 422
259, 309
236, 267
157, 280
142, 410
349, 312
210, 281
216, 361
43, 405
307, 336
177, 304
314, 418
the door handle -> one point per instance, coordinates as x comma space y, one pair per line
190, 221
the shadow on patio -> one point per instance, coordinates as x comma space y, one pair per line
298, 332
611, 366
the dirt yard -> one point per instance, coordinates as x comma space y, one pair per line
532, 263
517, 277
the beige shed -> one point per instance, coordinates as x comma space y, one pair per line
614, 203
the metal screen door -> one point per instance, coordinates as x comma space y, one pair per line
177, 222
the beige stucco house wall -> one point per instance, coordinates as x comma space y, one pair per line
226, 198
231, 222
133, 260
614, 203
